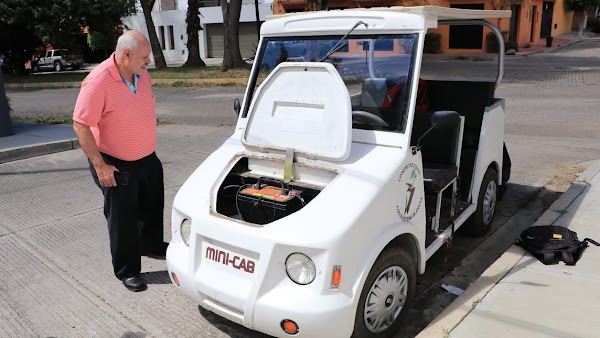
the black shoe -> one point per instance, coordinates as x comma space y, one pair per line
134, 283
159, 251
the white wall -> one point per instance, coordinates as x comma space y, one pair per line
176, 18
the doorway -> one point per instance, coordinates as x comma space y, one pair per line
546, 28
513, 30
533, 21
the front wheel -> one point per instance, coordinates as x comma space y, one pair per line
386, 296
58, 66
481, 221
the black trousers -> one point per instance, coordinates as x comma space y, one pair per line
134, 211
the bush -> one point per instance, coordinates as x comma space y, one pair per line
594, 25
433, 43
491, 43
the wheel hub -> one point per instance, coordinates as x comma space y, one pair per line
385, 299
489, 202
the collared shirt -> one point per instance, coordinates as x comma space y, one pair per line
123, 122
132, 87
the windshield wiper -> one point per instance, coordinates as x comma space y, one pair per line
338, 45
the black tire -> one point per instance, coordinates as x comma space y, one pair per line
481, 221
58, 66
399, 265
506, 167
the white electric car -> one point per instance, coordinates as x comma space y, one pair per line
345, 174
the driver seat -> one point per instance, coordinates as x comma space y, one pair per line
382, 97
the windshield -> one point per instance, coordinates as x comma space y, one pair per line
375, 69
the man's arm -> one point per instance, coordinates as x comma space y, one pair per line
87, 142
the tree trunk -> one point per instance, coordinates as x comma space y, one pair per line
193, 27
582, 23
232, 57
159, 58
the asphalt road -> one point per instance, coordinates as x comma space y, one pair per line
54, 257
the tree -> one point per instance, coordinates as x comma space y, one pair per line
159, 58
582, 6
192, 20
24, 22
232, 57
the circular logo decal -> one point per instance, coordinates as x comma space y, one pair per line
408, 178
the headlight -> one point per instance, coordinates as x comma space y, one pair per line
186, 229
300, 268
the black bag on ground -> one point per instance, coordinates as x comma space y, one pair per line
551, 244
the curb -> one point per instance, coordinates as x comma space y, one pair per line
460, 308
21, 153
43, 85
557, 47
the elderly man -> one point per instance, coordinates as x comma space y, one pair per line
115, 122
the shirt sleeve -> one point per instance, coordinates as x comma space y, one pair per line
90, 103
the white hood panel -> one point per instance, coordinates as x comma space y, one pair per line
304, 106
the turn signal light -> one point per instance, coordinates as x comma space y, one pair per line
336, 277
289, 327
175, 279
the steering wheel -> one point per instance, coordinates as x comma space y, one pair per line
364, 117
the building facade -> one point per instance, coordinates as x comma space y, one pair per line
169, 22
531, 21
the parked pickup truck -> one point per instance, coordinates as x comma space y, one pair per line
57, 59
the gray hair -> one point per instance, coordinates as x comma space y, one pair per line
127, 41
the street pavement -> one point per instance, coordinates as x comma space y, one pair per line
55, 263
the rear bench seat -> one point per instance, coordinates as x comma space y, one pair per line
469, 99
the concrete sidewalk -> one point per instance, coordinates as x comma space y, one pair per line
519, 296
30, 139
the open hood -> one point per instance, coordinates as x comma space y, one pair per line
304, 106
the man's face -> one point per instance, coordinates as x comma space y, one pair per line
139, 58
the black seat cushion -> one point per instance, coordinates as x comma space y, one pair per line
436, 176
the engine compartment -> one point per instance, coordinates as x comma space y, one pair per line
254, 190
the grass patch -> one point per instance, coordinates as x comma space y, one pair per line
177, 73
198, 73
52, 119
45, 77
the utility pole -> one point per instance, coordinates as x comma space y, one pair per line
5, 124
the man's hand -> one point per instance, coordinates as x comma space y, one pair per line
106, 174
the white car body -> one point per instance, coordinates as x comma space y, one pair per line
236, 268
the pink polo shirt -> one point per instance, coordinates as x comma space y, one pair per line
123, 123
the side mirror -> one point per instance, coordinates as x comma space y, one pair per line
445, 119
237, 106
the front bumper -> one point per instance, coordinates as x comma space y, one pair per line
264, 299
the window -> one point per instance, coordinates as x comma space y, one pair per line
378, 81
161, 36
171, 38
167, 5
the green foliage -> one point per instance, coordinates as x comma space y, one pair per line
581, 5
594, 25
99, 41
60, 22
433, 43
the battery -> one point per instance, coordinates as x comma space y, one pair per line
262, 205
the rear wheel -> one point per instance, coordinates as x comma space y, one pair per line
58, 66
481, 221
386, 296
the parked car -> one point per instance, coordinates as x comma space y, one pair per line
316, 216
57, 59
